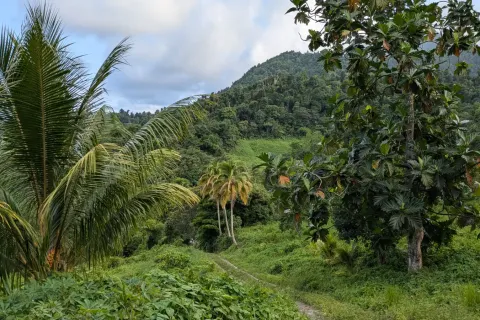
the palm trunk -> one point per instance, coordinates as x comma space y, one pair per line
415, 261
226, 222
232, 203
218, 215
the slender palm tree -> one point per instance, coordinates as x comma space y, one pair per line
207, 184
234, 182
66, 195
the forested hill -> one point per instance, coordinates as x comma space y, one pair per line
286, 96
276, 98
287, 63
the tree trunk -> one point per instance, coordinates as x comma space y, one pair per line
232, 203
218, 215
226, 222
415, 238
410, 150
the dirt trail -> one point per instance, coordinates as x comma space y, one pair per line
307, 310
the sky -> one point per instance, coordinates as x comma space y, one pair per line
180, 47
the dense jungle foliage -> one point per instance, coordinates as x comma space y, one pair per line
321, 175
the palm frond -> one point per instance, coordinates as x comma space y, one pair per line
7, 53
18, 245
163, 131
67, 196
43, 87
112, 226
93, 98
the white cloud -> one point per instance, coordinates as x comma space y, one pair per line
183, 47
280, 36
127, 17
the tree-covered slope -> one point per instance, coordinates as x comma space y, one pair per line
287, 96
287, 63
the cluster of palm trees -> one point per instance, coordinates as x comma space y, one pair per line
226, 182
68, 195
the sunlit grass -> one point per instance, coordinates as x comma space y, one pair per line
447, 288
248, 151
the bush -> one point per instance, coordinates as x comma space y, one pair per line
291, 247
348, 256
155, 232
276, 269
179, 225
206, 226
223, 242
173, 259
114, 262
183, 182
471, 296
328, 247
133, 245
392, 295
258, 209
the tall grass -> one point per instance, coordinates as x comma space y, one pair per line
367, 290
471, 296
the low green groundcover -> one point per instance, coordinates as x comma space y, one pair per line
165, 292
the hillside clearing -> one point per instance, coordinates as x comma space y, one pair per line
248, 151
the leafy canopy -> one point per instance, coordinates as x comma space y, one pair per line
398, 158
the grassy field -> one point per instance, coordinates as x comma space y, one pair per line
163, 283
247, 151
447, 288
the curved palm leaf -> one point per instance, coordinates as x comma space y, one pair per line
66, 196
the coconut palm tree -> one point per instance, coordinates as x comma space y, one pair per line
207, 184
234, 181
66, 195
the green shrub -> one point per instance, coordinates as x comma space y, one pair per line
348, 256
258, 209
178, 224
114, 262
173, 259
206, 227
207, 234
471, 296
133, 245
328, 247
392, 295
223, 242
155, 232
276, 269
291, 247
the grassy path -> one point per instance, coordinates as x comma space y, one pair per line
245, 276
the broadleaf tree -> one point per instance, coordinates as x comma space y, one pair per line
404, 160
